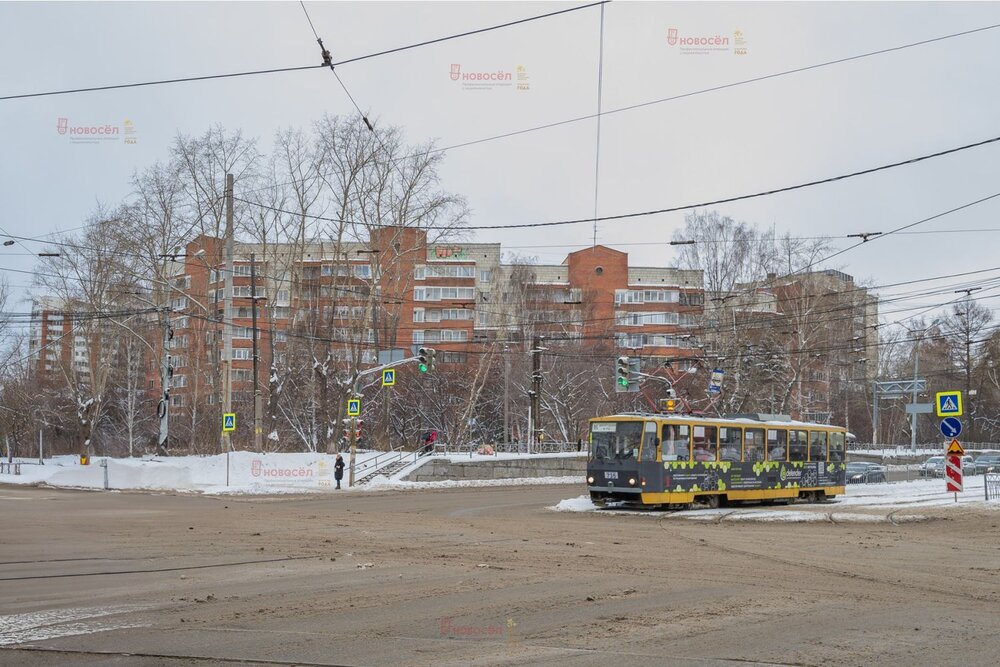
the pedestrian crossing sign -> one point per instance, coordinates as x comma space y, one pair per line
388, 377
354, 407
229, 422
949, 403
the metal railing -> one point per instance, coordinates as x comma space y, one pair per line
546, 447
936, 446
991, 485
383, 460
10, 468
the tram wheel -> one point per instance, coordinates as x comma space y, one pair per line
711, 501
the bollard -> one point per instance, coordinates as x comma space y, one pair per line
104, 464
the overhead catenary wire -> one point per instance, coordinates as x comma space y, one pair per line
678, 207
208, 77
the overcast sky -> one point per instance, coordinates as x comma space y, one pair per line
760, 136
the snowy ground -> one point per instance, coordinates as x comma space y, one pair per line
865, 503
242, 473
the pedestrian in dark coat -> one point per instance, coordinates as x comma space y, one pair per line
338, 469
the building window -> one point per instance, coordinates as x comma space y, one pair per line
177, 401
418, 314
484, 276
243, 353
242, 375
362, 271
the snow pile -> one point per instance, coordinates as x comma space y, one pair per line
890, 496
578, 504
240, 472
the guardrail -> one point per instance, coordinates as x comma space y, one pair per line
926, 446
10, 468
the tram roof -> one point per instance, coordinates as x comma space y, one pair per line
694, 419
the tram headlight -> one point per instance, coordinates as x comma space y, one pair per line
590, 479
631, 481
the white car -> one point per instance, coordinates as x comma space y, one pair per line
934, 466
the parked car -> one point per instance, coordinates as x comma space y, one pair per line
865, 473
932, 467
987, 461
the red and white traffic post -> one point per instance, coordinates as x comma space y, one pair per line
953, 468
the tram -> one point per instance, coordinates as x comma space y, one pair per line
674, 460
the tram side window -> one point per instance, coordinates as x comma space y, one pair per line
753, 444
837, 447
777, 439
817, 446
730, 443
649, 442
676, 439
798, 443
705, 443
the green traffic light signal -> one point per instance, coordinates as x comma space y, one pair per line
422, 367
623, 381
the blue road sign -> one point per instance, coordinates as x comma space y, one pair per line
715, 382
949, 403
229, 422
354, 407
388, 377
951, 427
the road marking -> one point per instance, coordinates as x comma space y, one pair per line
42, 625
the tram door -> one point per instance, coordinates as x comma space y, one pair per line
650, 470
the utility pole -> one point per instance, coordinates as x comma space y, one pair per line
506, 394
258, 444
913, 400
165, 373
967, 327
227, 324
536, 388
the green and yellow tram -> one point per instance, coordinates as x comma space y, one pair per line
676, 460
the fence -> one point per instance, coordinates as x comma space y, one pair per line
10, 468
930, 448
991, 484
545, 447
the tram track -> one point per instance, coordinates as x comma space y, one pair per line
185, 658
812, 566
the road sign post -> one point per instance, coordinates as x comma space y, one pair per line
715, 382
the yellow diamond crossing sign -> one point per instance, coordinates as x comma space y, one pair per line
948, 403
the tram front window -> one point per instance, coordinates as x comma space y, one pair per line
615, 441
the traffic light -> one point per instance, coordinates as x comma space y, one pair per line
623, 375
347, 429
357, 429
425, 359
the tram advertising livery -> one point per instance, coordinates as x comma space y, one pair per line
676, 460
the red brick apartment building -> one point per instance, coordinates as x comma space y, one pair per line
402, 291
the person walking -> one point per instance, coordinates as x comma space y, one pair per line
338, 469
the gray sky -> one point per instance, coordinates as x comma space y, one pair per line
755, 137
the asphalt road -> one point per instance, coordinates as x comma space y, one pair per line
483, 577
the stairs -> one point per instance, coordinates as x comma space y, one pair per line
391, 468
387, 470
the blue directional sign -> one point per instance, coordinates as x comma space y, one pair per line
951, 427
388, 377
354, 407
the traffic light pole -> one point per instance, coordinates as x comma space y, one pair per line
164, 407
353, 420
536, 389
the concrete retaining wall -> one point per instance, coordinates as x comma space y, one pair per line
437, 470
